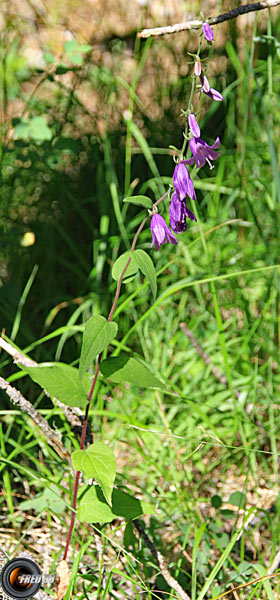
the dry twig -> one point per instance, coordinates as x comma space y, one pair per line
173, 583
216, 372
27, 407
232, 14
72, 414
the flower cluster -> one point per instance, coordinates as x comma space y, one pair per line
183, 185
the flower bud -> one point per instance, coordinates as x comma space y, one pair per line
208, 32
193, 125
197, 68
205, 83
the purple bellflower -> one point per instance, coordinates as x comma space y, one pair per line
202, 153
206, 89
182, 182
160, 232
208, 32
178, 212
205, 83
213, 94
193, 125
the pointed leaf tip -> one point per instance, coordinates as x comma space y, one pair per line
146, 265
98, 334
97, 461
140, 201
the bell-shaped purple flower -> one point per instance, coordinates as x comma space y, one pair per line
193, 125
208, 32
202, 152
183, 183
160, 232
206, 89
205, 83
213, 94
178, 212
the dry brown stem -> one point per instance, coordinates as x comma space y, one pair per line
232, 14
27, 407
173, 583
216, 372
72, 414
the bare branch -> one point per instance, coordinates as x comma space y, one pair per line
72, 414
232, 14
27, 407
173, 583
216, 372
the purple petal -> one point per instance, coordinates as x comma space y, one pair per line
183, 183
213, 94
160, 232
178, 212
190, 215
189, 161
208, 32
205, 84
193, 125
202, 152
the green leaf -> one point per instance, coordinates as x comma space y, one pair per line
62, 69
97, 461
140, 201
238, 499
36, 128
76, 58
146, 265
227, 513
49, 57
85, 48
61, 381
39, 129
123, 368
51, 498
22, 129
98, 334
120, 263
94, 509
75, 51
70, 46
216, 501
129, 538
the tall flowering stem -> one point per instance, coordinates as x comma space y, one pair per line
77, 478
189, 105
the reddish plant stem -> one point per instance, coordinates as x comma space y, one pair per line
118, 291
76, 485
77, 478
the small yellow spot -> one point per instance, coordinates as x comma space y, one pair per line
28, 239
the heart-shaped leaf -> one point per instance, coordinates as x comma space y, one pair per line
94, 509
126, 369
98, 334
146, 265
61, 381
97, 461
120, 263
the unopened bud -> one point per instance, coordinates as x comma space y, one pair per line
193, 125
197, 68
205, 83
